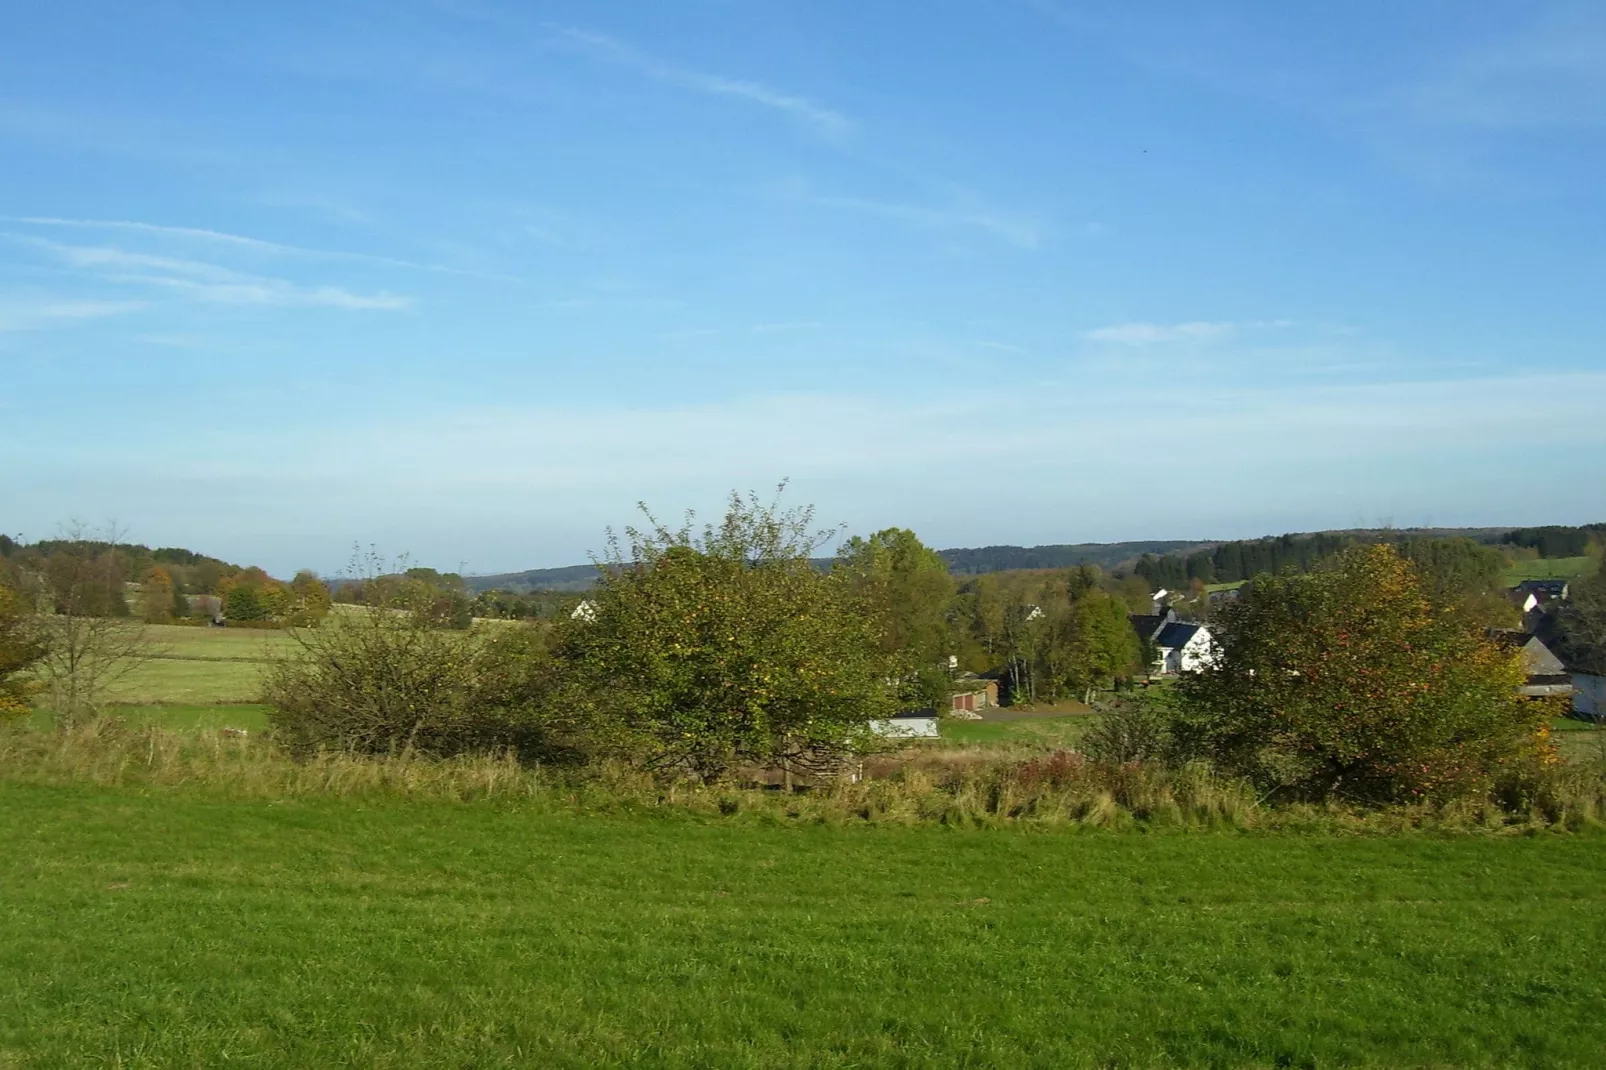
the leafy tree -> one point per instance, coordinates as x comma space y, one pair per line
908, 587
243, 602
156, 596
309, 599
22, 646
706, 651
1461, 575
1351, 682
1582, 623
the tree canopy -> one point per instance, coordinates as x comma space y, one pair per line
1352, 681
708, 650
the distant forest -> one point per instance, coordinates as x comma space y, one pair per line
961, 562
1104, 555
1171, 563
1163, 563
1229, 562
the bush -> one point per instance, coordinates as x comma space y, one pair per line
703, 653
1135, 728
383, 680
1352, 682
21, 648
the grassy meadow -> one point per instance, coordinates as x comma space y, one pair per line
190, 899
168, 929
201, 666
1553, 568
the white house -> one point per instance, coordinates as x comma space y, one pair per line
1182, 647
911, 724
586, 611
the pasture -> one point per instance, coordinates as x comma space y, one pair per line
157, 929
1553, 568
202, 666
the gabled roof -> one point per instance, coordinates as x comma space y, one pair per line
1549, 588
1147, 625
1176, 635
1510, 638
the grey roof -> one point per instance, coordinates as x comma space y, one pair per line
1147, 625
1176, 635
1553, 588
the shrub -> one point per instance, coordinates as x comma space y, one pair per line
382, 680
1352, 682
701, 653
22, 646
1135, 728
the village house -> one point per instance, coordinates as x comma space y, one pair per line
1530, 595
1547, 676
1178, 645
1182, 647
1148, 625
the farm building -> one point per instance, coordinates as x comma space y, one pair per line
972, 693
1547, 676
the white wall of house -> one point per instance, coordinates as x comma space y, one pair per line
1196, 654
1190, 657
1589, 694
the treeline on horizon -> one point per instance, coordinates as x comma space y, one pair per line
1244, 559
1171, 564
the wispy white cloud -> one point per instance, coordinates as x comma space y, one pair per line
822, 119
260, 291
967, 214
204, 281
1147, 334
1549, 75
752, 330
1005, 347
25, 315
239, 241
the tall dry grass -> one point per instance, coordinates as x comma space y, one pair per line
957, 789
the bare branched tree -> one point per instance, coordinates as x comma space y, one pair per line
93, 642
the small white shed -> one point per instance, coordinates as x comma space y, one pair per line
911, 724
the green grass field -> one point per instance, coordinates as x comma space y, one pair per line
163, 929
198, 666
1554, 568
1048, 732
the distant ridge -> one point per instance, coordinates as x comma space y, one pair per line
1106, 555
961, 561
975, 561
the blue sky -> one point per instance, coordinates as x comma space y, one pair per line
467, 280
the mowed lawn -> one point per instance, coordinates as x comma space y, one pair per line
163, 930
